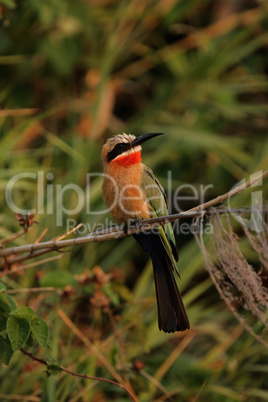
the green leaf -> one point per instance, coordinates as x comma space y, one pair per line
53, 369
4, 305
7, 303
11, 302
49, 344
2, 287
30, 340
24, 312
3, 322
6, 351
40, 331
18, 330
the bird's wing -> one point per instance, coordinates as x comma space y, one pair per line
157, 200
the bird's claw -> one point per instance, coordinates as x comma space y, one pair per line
137, 225
127, 226
126, 229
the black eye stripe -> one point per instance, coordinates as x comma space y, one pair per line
117, 150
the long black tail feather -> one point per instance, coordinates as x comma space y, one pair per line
171, 311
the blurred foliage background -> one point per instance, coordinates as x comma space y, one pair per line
76, 72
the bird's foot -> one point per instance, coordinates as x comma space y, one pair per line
126, 228
128, 225
136, 223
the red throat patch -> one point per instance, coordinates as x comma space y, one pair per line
128, 160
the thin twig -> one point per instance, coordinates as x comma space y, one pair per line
40, 237
230, 193
11, 238
14, 260
90, 345
18, 112
42, 361
35, 250
70, 232
33, 290
13, 397
32, 265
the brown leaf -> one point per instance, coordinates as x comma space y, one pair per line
100, 300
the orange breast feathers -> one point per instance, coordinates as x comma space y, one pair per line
122, 193
129, 159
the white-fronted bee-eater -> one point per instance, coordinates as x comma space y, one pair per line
132, 192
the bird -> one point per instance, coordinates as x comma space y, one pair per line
132, 193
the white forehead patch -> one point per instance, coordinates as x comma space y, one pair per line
126, 138
120, 138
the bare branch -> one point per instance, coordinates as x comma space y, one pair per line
34, 264
37, 249
33, 290
42, 361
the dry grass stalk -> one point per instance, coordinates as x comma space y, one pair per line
236, 280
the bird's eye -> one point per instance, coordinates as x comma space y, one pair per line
120, 147
117, 150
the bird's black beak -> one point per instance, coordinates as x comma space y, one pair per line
142, 138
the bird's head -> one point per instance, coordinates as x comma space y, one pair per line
124, 149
